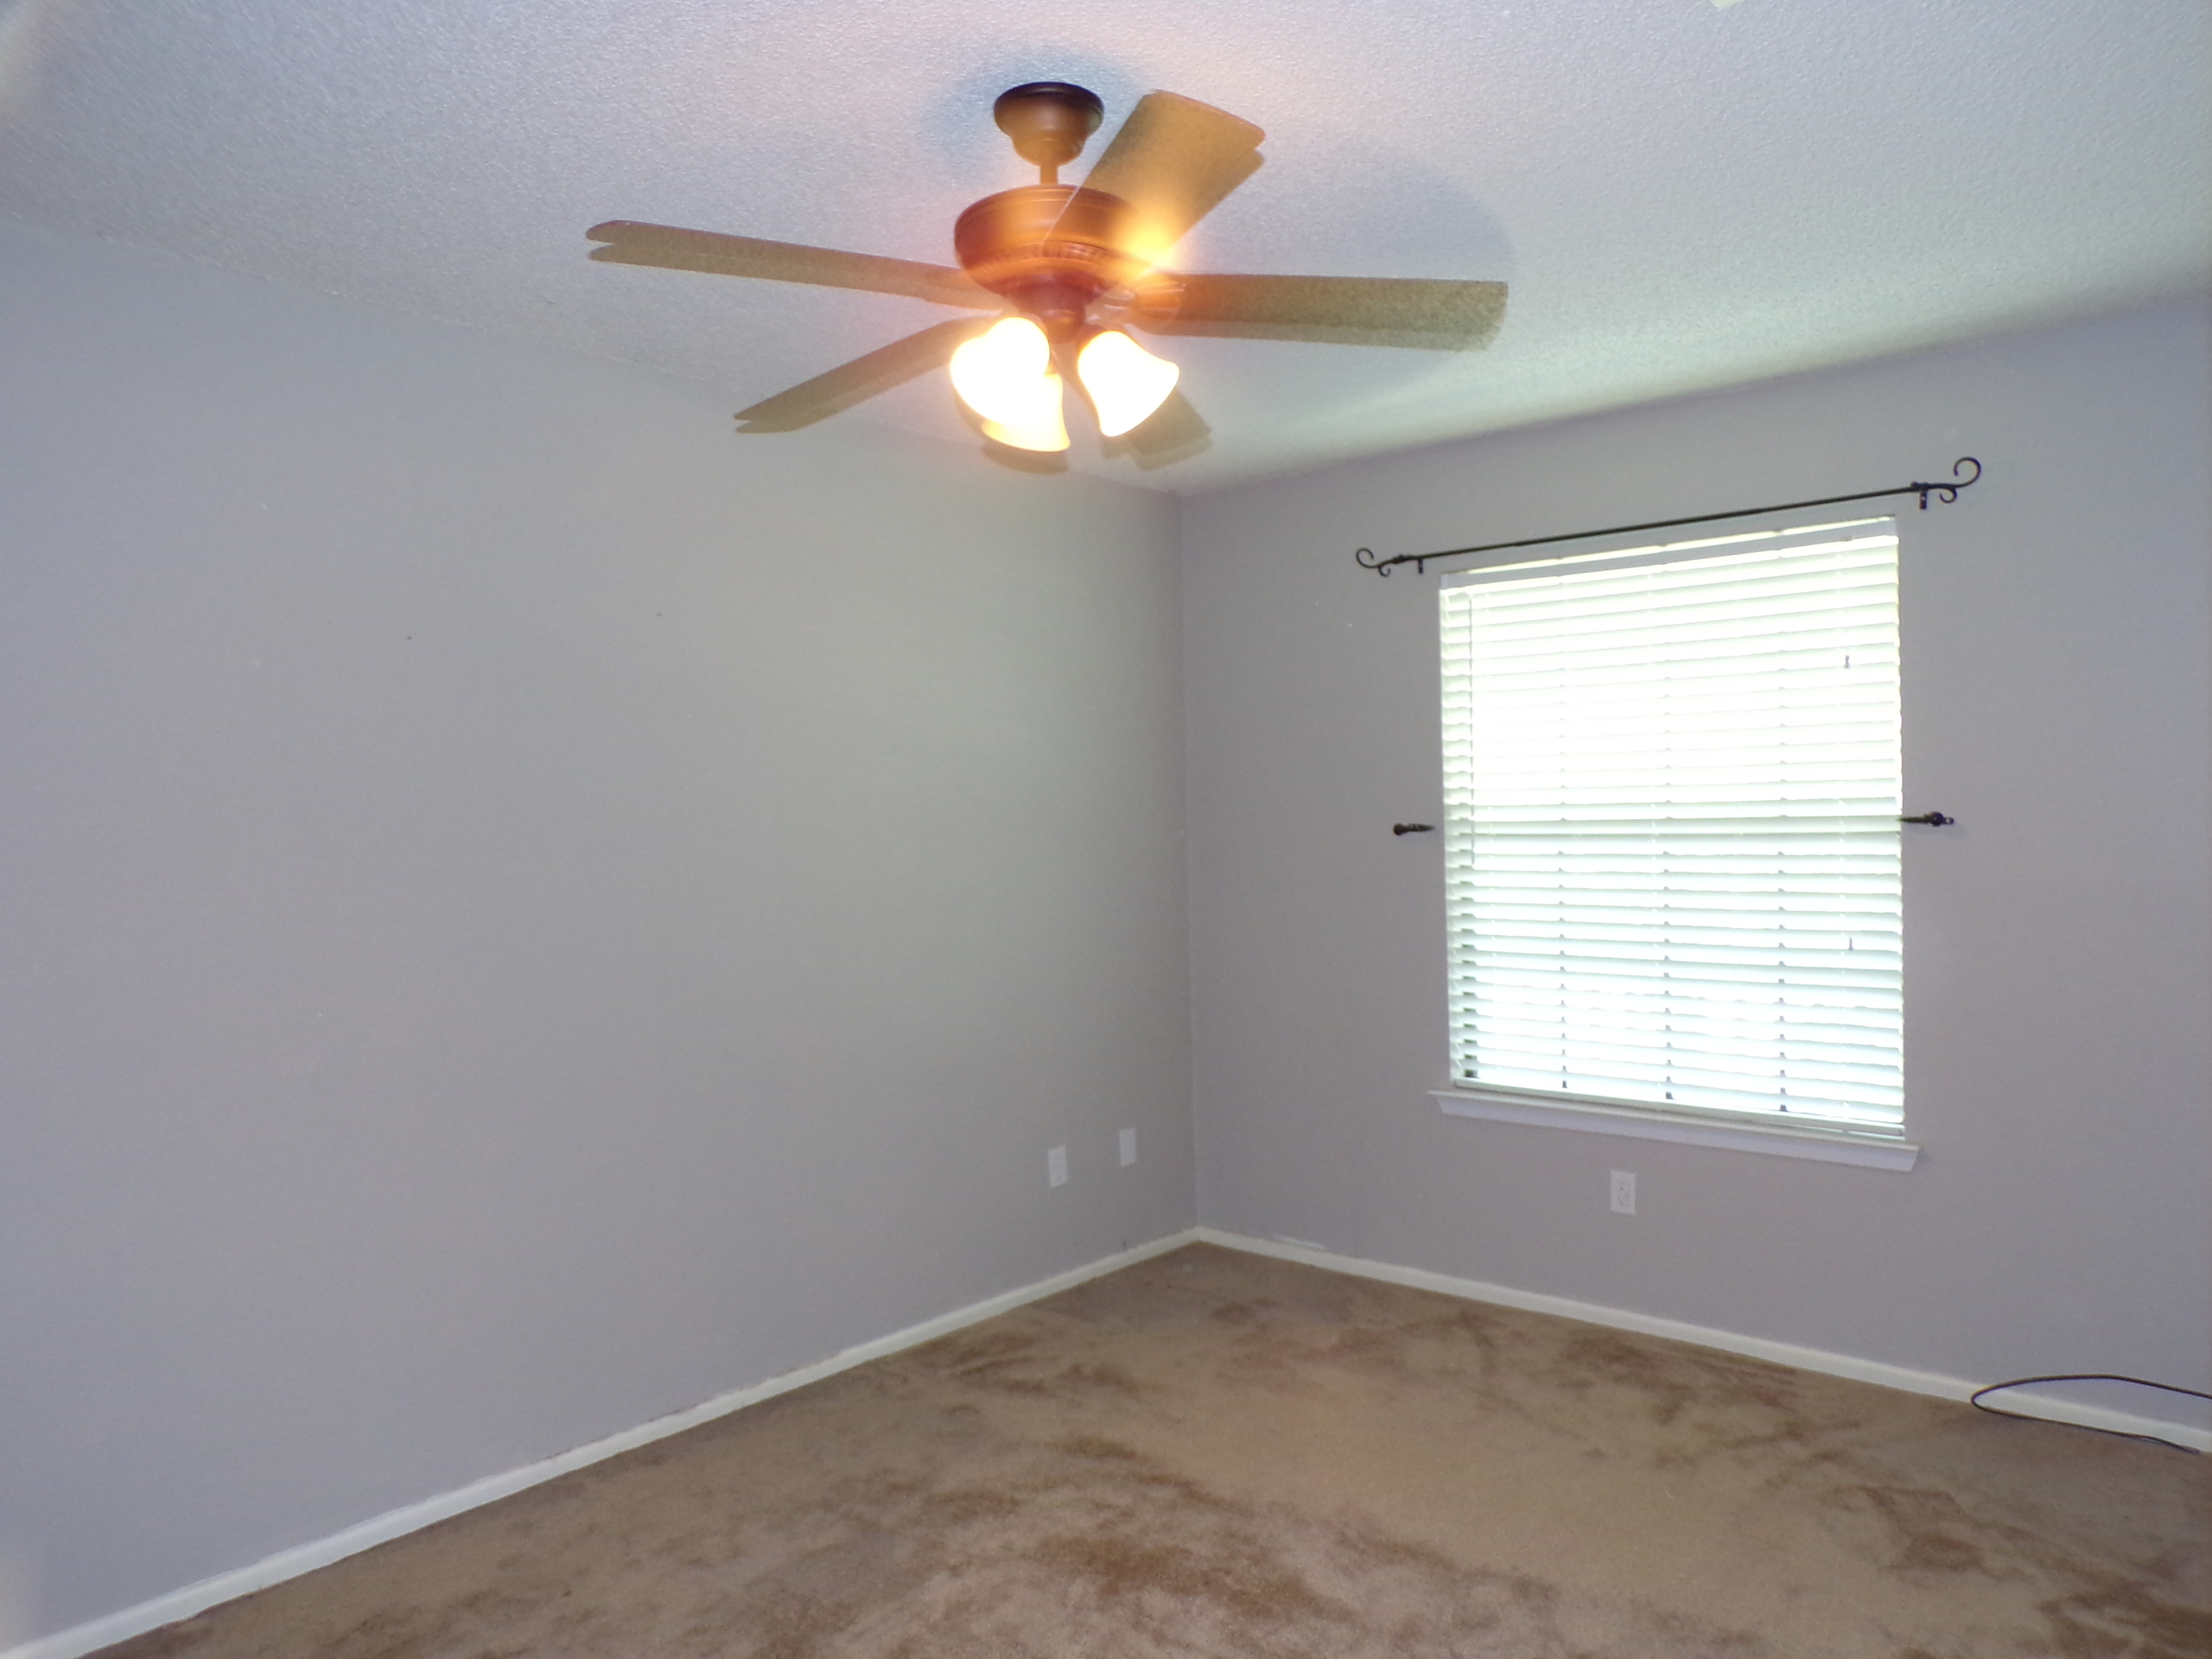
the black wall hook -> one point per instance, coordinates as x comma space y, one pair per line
1411, 829
1936, 818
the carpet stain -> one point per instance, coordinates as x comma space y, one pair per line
1929, 1530
2121, 1619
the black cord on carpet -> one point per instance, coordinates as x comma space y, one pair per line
1975, 1400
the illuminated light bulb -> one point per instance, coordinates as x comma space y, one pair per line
1041, 427
1146, 239
1126, 382
1005, 374
998, 374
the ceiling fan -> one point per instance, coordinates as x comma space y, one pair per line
1071, 268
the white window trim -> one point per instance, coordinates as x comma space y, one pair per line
1731, 1132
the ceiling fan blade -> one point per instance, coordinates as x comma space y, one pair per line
665, 246
1175, 431
1175, 160
1450, 316
859, 380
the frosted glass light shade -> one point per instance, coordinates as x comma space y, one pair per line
1005, 374
1045, 430
1126, 382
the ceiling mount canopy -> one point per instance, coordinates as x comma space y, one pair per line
1071, 269
1050, 121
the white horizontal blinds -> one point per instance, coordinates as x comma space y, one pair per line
1672, 790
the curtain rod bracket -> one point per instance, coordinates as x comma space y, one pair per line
1366, 559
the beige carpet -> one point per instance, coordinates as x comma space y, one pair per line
1219, 1455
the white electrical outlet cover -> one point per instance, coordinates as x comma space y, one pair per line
1129, 1147
1055, 1166
1623, 1193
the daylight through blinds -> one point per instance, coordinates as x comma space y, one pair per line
1671, 783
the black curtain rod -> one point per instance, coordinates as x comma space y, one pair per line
1366, 559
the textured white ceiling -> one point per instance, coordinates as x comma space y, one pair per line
1680, 196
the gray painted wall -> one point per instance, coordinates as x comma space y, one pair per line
520, 910
2058, 940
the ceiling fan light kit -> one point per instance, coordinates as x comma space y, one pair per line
1071, 269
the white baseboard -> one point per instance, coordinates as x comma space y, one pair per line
1781, 1353
98, 1633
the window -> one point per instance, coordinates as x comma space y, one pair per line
1671, 798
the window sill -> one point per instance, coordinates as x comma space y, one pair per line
1645, 1123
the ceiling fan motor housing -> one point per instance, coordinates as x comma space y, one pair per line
1049, 249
